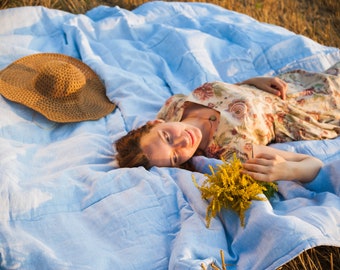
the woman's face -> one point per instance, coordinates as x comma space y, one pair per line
170, 144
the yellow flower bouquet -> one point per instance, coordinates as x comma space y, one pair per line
227, 187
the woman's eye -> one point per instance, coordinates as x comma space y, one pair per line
167, 137
175, 158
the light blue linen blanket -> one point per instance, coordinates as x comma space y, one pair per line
64, 203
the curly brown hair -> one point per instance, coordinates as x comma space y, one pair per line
129, 152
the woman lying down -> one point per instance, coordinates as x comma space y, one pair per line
215, 120
219, 119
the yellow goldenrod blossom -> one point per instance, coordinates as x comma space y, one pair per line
226, 187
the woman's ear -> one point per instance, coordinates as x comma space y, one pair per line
156, 121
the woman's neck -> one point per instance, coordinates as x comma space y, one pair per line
204, 118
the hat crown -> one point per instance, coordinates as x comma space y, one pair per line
59, 79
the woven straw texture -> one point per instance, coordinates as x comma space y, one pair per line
61, 88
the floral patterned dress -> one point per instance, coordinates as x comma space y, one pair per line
249, 116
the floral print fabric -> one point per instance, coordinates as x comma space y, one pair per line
249, 116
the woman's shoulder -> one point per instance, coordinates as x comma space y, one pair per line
173, 107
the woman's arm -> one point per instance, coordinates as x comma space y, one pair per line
271, 85
270, 164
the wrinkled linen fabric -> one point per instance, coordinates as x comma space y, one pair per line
65, 204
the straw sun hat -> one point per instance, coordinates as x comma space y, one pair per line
60, 87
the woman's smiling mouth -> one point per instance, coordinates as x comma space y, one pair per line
191, 137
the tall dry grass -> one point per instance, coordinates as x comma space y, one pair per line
316, 19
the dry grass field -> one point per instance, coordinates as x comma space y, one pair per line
316, 19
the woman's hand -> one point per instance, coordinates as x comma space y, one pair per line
270, 164
266, 167
272, 85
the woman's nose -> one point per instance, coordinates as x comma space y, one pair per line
180, 142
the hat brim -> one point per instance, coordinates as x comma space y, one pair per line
17, 84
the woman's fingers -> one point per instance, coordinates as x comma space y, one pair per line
259, 176
273, 85
265, 167
279, 86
